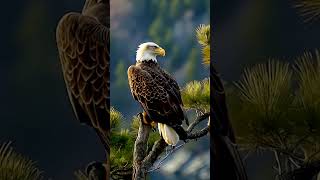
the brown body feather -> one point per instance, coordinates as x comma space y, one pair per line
158, 93
83, 44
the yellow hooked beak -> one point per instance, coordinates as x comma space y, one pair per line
159, 51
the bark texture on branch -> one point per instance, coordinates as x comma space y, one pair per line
143, 160
139, 169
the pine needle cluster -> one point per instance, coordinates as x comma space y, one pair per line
14, 166
276, 103
203, 36
123, 138
309, 9
196, 95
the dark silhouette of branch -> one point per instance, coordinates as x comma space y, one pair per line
306, 172
279, 169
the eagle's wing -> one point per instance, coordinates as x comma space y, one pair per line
219, 108
155, 98
164, 79
169, 83
84, 54
173, 83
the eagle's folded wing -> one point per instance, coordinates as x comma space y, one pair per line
156, 99
84, 54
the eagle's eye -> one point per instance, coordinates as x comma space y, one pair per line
152, 47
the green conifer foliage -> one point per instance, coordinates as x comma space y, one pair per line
309, 9
196, 95
203, 36
276, 105
14, 166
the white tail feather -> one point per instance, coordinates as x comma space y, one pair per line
160, 128
168, 134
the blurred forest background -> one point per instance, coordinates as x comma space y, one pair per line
35, 112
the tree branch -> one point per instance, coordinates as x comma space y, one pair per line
156, 151
198, 134
142, 162
165, 157
139, 152
278, 162
197, 121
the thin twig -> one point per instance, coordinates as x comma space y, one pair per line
153, 155
283, 151
246, 156
278, 161
198, 134
197, 121
166, 156
297, 144
294, 163
313, 155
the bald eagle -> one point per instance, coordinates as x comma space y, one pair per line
83, 44
158, 93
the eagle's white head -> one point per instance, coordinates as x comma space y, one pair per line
149, 51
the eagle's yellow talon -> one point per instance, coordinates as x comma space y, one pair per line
153, 125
